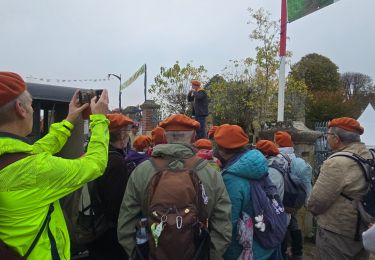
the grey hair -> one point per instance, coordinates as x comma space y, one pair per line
180, 136
346, 137
7, 113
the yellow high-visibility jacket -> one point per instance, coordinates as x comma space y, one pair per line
30, 185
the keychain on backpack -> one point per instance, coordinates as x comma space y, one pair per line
156, 229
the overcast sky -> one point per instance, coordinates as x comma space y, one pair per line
87, 39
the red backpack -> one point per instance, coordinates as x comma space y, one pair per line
177, 218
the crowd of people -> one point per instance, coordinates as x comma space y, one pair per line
181, 193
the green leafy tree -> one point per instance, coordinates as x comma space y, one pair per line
248, 91
326, 105
266, 33
296, 95
171, 86
231, 99
318, 72
326, 98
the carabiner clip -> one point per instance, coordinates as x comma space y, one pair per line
178, 222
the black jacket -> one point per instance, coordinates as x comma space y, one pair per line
111, 186
200, 102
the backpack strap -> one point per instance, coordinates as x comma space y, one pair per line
193, 162
359, 159
287, 158
8, 159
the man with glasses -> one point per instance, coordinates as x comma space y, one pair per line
340, 178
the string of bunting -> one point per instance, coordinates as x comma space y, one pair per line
48, 80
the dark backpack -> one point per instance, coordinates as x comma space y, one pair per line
294, 190
366, 206
176, 202
91, 222
270, 220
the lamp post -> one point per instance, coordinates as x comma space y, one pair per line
119, 90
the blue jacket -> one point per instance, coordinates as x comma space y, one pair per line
236, 174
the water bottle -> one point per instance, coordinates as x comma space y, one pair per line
141, 235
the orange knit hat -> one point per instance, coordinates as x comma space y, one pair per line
196, 83
11, 86
118, 121
267, 147
348, 124
211, 132
179, 122
203, 144
230, 136
283, 139
141, 142
158, 136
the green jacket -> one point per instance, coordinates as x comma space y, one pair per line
28, 186
218, 207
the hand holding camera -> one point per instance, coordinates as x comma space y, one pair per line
87, 101
75, 108
99, 105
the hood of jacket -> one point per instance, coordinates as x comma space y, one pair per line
250, 165
174, 150
136, 157
175, 153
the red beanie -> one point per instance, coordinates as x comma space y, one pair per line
231, 136
283, 139
158, 136
141, 142
203, 144
11, 86
267, 147
118, 121
348, 124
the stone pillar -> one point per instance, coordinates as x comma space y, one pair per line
150, 116
304, 146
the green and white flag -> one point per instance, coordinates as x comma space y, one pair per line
300, 8
138, 73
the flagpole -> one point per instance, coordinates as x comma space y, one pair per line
282, 53
119, 91
145, 82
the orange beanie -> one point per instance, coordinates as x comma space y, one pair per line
203, 144
158, 136
179, 122
348, 124
267, 147
11, 86
211, 132
118, 121
196, 83
230, 136
283, 139
141, 142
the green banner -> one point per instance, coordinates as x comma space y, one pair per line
300, 8
139, 72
